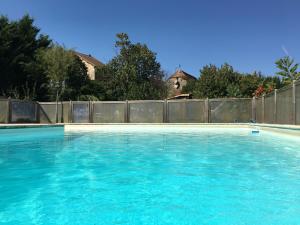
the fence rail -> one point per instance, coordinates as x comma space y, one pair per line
279, 107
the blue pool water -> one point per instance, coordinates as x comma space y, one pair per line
227, 176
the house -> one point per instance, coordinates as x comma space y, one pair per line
177, 81
90, 62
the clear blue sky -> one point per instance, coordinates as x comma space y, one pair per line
250, 35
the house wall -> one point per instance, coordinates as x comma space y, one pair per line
182, 82
90, 69
172, 89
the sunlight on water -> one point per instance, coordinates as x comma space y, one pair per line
141, 177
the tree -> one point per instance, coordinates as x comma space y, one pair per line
215, 82
19, 43
288, 69
66, 73
76, 81
223, 82
56, 62
268, 85
133, 74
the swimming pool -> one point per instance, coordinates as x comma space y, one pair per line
172, 175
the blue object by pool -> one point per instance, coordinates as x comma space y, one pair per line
206, 177
255, 131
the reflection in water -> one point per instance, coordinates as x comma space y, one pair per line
148, 178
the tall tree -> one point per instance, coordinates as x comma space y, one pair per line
56, 61
215, 82
19, 43
134, 73
288, 69
76, 80
65, 72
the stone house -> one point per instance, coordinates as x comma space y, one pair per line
177, 81
90, 62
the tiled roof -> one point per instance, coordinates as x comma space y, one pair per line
89, 59
184, 75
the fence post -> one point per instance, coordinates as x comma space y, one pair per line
207, 110
37, 112
126, 112
71, 112
254, 109
263, 108
165, 120
294, 103
8, 115
61, 119
56, 111
275, 106
90, 112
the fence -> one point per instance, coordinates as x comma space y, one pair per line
23, 111
148, 111
297, 101
50, 112
109, 112
145, 112
4, 111
280, 107
230, 110
188, 111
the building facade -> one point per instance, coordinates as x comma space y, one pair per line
177, 81
91, 63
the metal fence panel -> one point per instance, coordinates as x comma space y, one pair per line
47, 112
146, 111
258, 110
269, 115
66, 112
284, 106
81, 112
298, 103
23, 112
109, 112
230, 110
186, 111
4, 111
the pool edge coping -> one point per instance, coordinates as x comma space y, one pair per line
21, 126
279, 128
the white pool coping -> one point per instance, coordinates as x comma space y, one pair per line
283, 129
278, 128
161, 128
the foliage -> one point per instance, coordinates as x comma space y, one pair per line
19, 43
288, 69
65, 72
215, 82
133, 74
268, 85
33, 68
76, 80
220, 82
